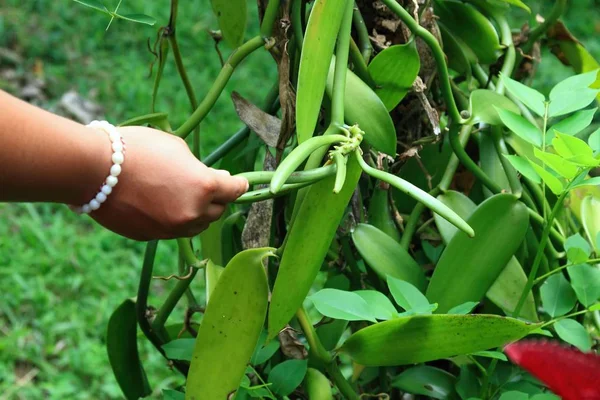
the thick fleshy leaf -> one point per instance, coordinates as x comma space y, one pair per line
572, 94
526, 95
232, 16
573, 124
308, 241
317, 385
121, 344
558, 297
386, 257
317, 50
590, 219
339, 304
394, 70
553, 182
484, 105
524, 168
464, 308
511, 282
380, 213
263, 352
380, 306
573, 333
179, 349
462, 19
459, 56
408, 297
287, 376
422, 338
578, 249
362, 106
518, 3
172, 395
489, 161
212, 274
568, 372
427, 381
521, 127
561, 166
585, 280
490, 354
500, 224
231, 325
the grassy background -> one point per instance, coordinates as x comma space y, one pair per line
61, 275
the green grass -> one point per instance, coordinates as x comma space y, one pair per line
62, 275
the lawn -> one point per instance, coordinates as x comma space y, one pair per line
61, 274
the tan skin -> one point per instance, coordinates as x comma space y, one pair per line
163, 192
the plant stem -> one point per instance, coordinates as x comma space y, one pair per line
317, 349
438, 55
559, 8
297, 22
163, 51
186, 251
557, 270
363, 35
341, 66
266, 26
218, 86
539, 253
555, 320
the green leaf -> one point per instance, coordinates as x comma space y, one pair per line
524, 167
380, 213
467, 386
578, 249
232, 16
573, 333
458, 54
545, 396
521, 127
427, 381
179, 349
362, 106
464, 308
139, 18
500, 224
590, 219
490, 354
121, 345
432, 252
422, 338
518, 3
594, 141
407, 296
317, 51
231, 325
514, 395
380, 306
339, 304
572, 94
172, 395
585, 280
484, 106
553, 182
573, 124
595, 307
462, 20
95, 4
588, 182
212, 274
317, 385
308, 241
287, 376
570, 147
460, 204
526, 95
263, 352
394, 70
558, 297
386, 257
563, 167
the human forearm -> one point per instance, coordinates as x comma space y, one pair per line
45, 157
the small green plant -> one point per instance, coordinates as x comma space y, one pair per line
299, 275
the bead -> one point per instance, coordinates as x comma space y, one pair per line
100, 197
115, 170
86, 209
112, 181
117, 146
94, 205
106, 189
118, 158
114, 137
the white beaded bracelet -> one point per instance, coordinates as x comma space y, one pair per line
118, 157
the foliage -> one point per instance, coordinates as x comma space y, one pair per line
367, 305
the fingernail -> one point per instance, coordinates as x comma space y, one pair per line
246, 184
221, 172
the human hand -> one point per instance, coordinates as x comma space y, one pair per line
164, 192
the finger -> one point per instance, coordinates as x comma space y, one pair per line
213, 212
194, 230
228, 188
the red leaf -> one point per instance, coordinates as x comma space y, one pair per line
568, 372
